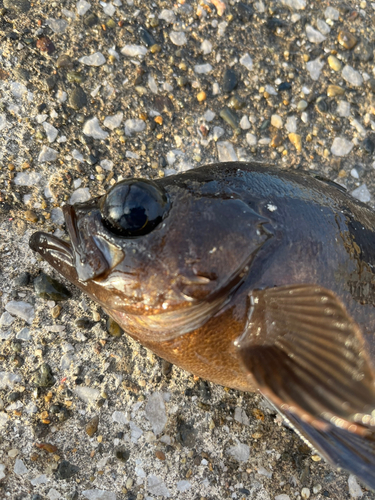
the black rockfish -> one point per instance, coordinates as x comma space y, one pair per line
248, 276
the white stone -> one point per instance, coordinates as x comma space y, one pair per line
120, 417
6, 319
270, 89
54, 494
156, 486
276, 121
168, 16
282, 497
355, 490
305, 493
22, 310
107, 164
183, 485
152, 84
108, 9
3, 121
209, 115
51, 131
202, 68
314, 68
3, 419
133, 156
113, 122
358, 126
313, 35
57, 216
20, 468
244, 123
18, 89
217, 133
240, 416
240, 452
215, 88
247, 61
7, 380
221, 27
87, 394
134, 50
96, 59
343, 108
82, 7
99, 495
80, 195
47, 154
135, 432
352, 76
291, 124
178, 38
134, 125
57, 25
155, 412
323, 27
42, 479
206, 47
362, 194
66, 360
93, 129
264, 472
77, 155
295, 4
225, 151
2, 473
341, 146
24, 334
5, 335
332, 14
251, 139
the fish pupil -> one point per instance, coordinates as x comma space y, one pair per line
133, 207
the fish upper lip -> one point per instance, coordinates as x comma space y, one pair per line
48, 243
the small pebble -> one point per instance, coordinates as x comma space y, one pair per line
229, 117
347, 40
66, 470
352, 76
230, 81
313, 35
334, 63
92, 426
341, 146
50, 289
44, 376
96, 59
335, 90
305, 493
276, 121
296, 140
201, 96
78, 98
44, 44
114, 328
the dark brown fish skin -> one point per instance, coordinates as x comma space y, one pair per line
183, 290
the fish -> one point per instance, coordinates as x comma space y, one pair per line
250, 276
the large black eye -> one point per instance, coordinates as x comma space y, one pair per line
133, 207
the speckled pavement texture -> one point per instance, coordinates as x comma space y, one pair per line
92, 92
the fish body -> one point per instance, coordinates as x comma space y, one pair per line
251, 277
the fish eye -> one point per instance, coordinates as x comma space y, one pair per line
133, 207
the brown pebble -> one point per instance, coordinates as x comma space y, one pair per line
334, 90
160, 455
158, 119
201, 96
276, 141
296, 140
55, 312
49, 448
92, 426
34, 456
45, 44
114, 328
31, 216
258, 414
347, 40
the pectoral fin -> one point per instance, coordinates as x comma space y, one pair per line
307, 356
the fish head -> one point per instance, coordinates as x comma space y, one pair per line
154, 249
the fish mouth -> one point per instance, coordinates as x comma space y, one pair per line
57, 252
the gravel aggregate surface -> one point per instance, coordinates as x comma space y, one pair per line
92, 92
